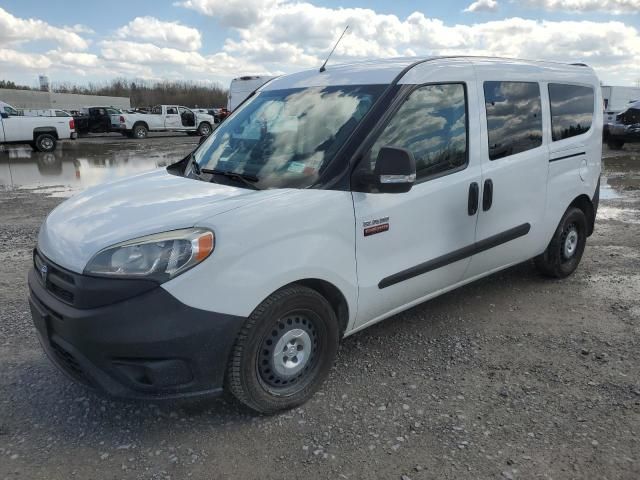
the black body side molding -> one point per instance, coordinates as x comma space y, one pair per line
456, 255
567, 156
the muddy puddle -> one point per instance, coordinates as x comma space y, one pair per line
75, 166
86, 162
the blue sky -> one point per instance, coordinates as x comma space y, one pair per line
81, 41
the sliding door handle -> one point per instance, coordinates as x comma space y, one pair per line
472, 204
487, 195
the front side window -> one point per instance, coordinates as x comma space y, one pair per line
285, 138
571, 110
12, 112
514, 118
431, 124
172, 111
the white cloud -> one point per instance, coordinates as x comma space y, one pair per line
232, 13
25, 61
482, 6
14, 30
616, 7
164, 34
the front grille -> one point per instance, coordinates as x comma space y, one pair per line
69, 363
60, 283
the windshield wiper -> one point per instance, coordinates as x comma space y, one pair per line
248, 180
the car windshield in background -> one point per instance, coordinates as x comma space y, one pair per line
284, 138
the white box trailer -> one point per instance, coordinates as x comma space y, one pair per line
242, 87
616, 99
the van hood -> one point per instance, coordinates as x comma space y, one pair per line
133, 207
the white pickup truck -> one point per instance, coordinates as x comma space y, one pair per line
166, 118
42, 133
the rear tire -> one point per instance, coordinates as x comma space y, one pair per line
615, 144
284, 351
140, 131
45, 142
562, 256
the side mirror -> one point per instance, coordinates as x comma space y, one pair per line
4, 115
395, 170
202, 139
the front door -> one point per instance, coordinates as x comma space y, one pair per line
515, 163
172, 118
408, 244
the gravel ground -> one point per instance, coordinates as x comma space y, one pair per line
514, 376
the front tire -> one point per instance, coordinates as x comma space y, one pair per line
284, 351
204, 129
45, 142
562, 256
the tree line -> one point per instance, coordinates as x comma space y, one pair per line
143, 93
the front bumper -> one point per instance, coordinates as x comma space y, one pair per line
150, 346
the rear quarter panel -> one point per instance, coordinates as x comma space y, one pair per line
577, 175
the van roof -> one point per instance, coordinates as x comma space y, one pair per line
384, 71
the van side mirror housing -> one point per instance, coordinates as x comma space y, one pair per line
4, 115
395, 170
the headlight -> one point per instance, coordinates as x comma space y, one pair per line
159, 257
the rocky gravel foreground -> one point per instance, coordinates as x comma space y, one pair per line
514, 376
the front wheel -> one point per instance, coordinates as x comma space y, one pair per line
562, 256
204, 129
284, 351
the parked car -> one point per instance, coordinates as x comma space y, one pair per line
166, 118
98, 120
46, 112
242, 87
626, 128
331, 201
41, 133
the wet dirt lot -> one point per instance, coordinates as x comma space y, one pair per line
514, 376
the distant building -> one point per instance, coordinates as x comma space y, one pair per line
63, 101
44, 83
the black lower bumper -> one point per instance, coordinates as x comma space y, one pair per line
150, 346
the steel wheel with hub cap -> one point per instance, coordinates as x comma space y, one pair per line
565, 250
284, 351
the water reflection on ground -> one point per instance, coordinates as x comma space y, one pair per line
78, 165
75, 166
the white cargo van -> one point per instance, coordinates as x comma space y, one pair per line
326, 203
242, 87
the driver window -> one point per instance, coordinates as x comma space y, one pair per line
431, 124
172, 111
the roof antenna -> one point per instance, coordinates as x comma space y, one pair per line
324, 65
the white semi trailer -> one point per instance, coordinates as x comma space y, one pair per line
616, 99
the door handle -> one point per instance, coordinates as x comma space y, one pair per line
487, 195
472, 205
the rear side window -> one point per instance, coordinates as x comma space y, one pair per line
514, 119
571, 110
432, 124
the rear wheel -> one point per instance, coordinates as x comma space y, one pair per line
562, 256
284, 351
615, 144
140, 131
45, 142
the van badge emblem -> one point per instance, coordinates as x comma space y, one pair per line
378, 225
44, 270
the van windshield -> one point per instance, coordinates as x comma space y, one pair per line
285, 138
